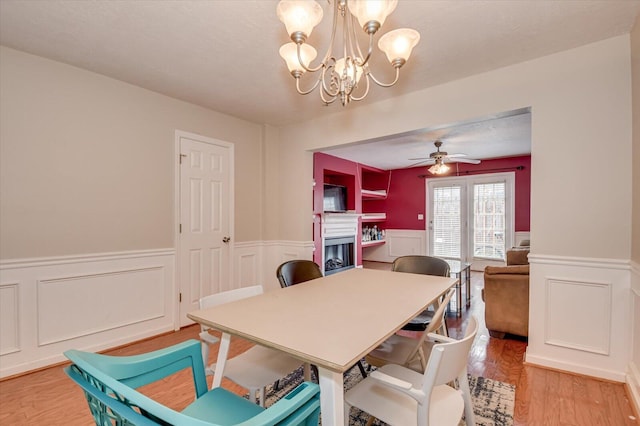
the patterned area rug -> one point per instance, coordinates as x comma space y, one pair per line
493, 401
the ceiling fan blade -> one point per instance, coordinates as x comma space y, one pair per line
426, 162
456, 155
466, 160
419, 158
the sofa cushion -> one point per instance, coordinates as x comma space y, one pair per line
518, 256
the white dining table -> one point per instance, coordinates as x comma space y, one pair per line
331, 322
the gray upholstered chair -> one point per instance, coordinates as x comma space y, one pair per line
426, 265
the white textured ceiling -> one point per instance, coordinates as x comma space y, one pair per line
223, 55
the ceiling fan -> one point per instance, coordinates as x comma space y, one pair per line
439, 158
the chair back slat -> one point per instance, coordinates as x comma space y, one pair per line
425, 265
297, 271
230, 296
107, 383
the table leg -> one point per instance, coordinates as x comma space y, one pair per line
467, 281
223, 352
331, 397
459, 295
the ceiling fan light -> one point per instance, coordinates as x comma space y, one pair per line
299, 15
371, 10
439, 168
398, 44
289, 53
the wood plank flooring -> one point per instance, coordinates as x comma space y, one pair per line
543, 397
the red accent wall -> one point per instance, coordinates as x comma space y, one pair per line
330, 169
407, 192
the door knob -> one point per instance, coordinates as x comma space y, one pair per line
226, 239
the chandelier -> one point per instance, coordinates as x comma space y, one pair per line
343, 73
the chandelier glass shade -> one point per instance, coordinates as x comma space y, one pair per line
439, 167
343, 72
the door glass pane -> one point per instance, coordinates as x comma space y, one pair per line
446, 222
489, 220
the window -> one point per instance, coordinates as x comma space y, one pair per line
446, 222
471, 217
489, 200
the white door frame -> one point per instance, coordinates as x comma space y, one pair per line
466, 182
176, 236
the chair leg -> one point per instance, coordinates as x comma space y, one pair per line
276, 385
252, 395
347, 409
362, 370
463, 385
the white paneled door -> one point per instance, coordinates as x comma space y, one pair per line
205, 220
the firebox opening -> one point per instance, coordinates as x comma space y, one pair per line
338, 254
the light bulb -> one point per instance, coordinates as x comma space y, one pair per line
289, 53
299, 15
398, 44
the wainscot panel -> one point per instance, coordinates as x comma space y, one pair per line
89, 302
398, 242
580, 315
255, 262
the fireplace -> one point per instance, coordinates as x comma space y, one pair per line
339, 249
338, 254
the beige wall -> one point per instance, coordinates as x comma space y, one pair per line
87, 162
635, 217
580, 106
635, 67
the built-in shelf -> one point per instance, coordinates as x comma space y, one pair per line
374, 217
373, 243
368, 194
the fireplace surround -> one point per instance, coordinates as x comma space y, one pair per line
339, 250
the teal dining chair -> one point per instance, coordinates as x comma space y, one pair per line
110, 385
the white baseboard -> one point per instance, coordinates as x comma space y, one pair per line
633, 384
569, 366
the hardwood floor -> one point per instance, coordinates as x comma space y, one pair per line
543, 397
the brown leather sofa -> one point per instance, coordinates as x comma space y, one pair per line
506, 295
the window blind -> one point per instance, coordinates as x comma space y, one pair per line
489, 201
447, 221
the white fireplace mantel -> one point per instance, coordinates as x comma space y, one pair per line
339, 225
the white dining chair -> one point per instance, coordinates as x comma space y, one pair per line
400, 396
408, 351
255, 368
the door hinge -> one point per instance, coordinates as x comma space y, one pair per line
181, 156
180, 228
180, 297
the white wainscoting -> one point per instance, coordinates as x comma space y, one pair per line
519, 236
89, 302
255, 262
580, 315
633, 372
399, 242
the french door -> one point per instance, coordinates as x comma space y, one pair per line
471, 218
